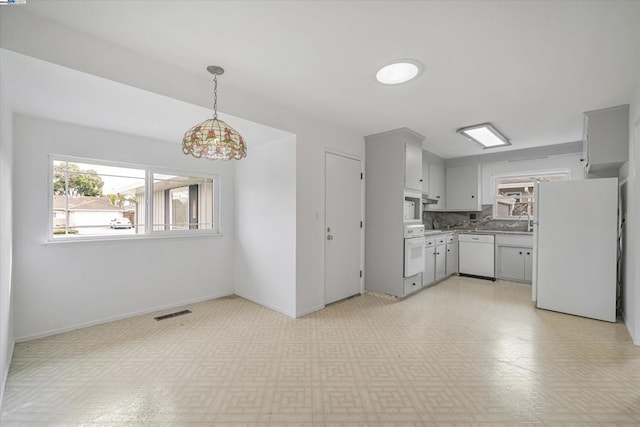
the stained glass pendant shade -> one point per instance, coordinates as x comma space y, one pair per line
213, 139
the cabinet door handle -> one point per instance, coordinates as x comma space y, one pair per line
528, 253
520, 253
420, 180
473, 197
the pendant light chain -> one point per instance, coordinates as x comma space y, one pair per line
215, 96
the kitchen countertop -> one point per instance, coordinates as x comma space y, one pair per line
433, 232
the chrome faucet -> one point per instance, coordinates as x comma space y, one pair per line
529, 222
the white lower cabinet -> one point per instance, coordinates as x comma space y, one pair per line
412, 284
441, 261
528, 264
515, 263
429, 274
452, 258
441, 258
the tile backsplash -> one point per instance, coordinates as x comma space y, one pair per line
482, 220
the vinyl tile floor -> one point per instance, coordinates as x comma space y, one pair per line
462, 352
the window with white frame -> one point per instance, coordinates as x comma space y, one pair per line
514, 194
182, 202
100, 199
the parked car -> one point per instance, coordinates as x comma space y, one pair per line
120, 223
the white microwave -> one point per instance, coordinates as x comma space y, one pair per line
412, 207
409, 210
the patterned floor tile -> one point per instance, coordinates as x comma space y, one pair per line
465, 352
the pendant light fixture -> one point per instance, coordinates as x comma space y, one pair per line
213, 139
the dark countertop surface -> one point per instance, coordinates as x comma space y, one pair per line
473, 231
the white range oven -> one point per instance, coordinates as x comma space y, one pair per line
414, 240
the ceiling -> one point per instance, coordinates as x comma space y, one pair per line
529, 67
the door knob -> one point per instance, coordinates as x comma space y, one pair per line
329, 237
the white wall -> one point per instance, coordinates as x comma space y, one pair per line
313, 139
265, 247
631, 251
6, 209
631, 277
64, 285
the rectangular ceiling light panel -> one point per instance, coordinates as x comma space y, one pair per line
485, 135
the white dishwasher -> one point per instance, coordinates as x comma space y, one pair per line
476, 254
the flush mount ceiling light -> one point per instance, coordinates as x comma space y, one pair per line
213, 139
485, 135
400, 71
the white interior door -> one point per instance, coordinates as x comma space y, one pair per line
343, 231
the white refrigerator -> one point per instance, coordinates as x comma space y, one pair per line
575, 247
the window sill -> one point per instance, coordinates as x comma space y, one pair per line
140, 238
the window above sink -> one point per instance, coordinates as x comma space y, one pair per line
514, 195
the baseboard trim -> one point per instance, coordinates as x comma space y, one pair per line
269, 306
309, 311
6, 373
630, 330
119, 317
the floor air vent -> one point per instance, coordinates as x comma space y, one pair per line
170, 315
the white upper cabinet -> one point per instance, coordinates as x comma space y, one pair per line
606, 139
463, 188
436, 186
412, 166
425, 175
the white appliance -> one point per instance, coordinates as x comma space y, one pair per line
412, 207
575, 247
476, 255
413, 249
409, 209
